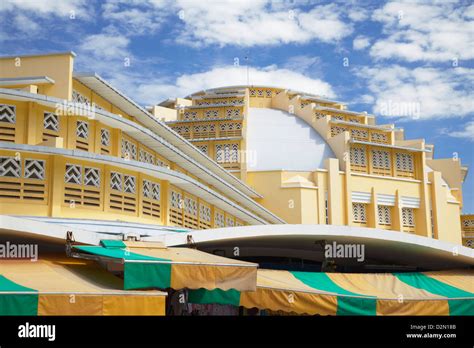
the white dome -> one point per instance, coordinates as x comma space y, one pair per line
278, 140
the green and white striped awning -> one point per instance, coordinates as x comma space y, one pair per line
431, 293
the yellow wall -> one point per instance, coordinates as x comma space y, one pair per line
58, 67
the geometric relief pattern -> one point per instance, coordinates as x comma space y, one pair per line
202, 148
176, 200
379, 137
408, 217
380, 159
211, 114
116, 181
357, 156
358, 212
151, 190
51, 121
219, 219
92, 177
190, 115
233, 113
337, 130
359, 134
73, 174
405, 162
82, 130
146, 188
34, 169
10, 167
7, 113
129, 149
468, 223
229, 221
384, 215
79, 98
228, 153
104, 137
146, 157
129, 183
190, 206
204, 213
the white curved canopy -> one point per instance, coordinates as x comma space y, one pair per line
382, 246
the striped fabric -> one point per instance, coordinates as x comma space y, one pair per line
431, 293
151, 265
59, 286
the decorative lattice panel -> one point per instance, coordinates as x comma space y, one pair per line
7, 122
151, 201
190, 213
358, 159
359, 212
381, 164
219, 220
204, 216
176, 208
129, 149
23, 179
105, 141
404, 165
384, 215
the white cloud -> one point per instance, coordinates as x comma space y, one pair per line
136, 17
361, 42
150, 91
256, 22
42, 8
106, 45
25, 24
423, 31
466, 133
358, 14
420, 93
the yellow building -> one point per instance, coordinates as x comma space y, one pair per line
316, 162
251, 173
72, 146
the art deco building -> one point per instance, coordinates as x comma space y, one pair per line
72, 146
256, 176
316, 162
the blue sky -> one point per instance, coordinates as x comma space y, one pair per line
410, 63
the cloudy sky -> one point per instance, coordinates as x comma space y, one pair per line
410, 62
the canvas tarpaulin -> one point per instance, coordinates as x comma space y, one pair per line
150, 265
431, 293
64, 286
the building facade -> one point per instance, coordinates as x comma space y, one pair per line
72, 146
316, 162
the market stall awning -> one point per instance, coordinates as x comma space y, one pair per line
151, 265
431, 293
65, 286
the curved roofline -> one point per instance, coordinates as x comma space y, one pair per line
391, 244
259, 86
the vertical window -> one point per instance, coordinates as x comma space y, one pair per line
82, 130
405, 162
359, 213
408, 217
384, 215
358, 156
